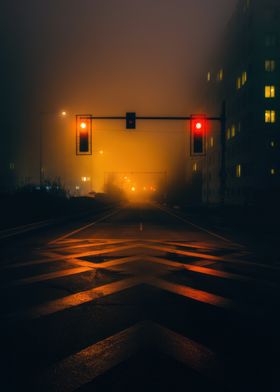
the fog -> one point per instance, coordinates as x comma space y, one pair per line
103, 58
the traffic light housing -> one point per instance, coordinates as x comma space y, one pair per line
83, 134
131, 120
198, 134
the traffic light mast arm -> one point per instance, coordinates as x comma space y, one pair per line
170, 118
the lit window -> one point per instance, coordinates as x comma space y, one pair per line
270, 65
208, 76
195, 167
228, 134
211, 141
269, 91
244, 78
220, 75
272, 144
12, 166
233, 131
270, 116
272, 172
238, 171
238, 83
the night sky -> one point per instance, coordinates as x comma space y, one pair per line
103, 57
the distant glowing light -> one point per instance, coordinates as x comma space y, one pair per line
85, 179
198, 125
101, 152
133, 189
77, 187
83, 125
63, 113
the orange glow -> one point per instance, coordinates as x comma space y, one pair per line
83, 125
133, 189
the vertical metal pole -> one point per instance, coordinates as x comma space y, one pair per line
223, 152
40, 150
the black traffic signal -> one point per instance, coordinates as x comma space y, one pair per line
83, 131
198, 134
131, 120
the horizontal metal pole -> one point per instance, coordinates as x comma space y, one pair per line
164, 118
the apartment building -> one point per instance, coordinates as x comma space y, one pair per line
242, 164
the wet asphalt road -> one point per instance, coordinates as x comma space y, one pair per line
138, 298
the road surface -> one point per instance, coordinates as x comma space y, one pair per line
138, 298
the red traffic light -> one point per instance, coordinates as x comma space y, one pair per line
83, 137
198, 134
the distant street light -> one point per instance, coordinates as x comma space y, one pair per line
63, 114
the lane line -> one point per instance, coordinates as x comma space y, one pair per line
198, 227
82, 228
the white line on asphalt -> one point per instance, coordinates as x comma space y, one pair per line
84, 227
197, 226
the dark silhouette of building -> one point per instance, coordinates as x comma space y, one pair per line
244, 73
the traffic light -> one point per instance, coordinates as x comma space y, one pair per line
83, 134
131, 120
198, 134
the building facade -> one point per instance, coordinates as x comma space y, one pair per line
242, 163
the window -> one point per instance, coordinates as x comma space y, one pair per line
269, 91
233, 131
211, 141
228, 134
208, 76
238, 171
238, 83
270, 65
12, 166
195, 167
272, 171
244, 78
272, 144
270, 116
220, 75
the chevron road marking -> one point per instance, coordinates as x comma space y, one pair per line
195, 294
44, 277
87, 296
95, 360
73, 300
68, 257
200, 270
212, 257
